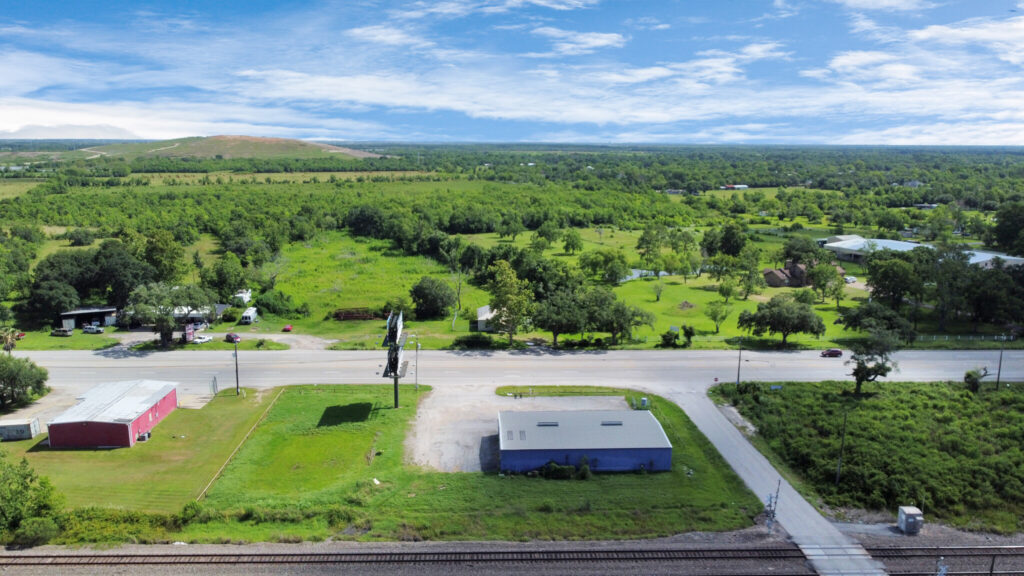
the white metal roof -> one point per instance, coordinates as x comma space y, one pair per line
580, 430
865, 246
116, 402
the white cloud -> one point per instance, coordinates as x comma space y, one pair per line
570, 43
647, 23
1004, 37
387, 35
886, 5
942, 134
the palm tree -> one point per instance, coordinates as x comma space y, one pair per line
9, 337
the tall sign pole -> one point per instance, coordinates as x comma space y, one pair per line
237, 387
394, 339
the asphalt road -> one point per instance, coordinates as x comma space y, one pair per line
682, 376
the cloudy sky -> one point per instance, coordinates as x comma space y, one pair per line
592, 71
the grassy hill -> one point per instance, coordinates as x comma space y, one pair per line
228, 147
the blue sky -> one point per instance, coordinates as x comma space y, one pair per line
583, 71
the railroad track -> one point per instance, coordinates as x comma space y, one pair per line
959, 560
722, 554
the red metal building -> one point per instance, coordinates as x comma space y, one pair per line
114, 414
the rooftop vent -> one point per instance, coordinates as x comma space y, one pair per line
547, 423
611, 423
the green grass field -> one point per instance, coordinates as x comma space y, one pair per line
328, 461
160, 475
13, 187
78, 341
935, 445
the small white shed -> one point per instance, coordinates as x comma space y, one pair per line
24, 429
483, 316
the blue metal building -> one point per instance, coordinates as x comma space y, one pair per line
611, 440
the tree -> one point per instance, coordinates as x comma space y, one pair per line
561, 313
165, 255
48, 299
717, 312
750, 275
9, 337
157, 303
681, 241
890, 277
836, 289
511, 299
801, 250
609, 264
871, 316
649, 245
727, 289
24, 495
115, 272
549, 231
1009, 229
871, 358
782, 315
432, 297
512, 226
20, 380
822, 275
720, 265
733, 239
539, 244
572, 241
452, 249
225, 277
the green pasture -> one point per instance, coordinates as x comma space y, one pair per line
13, 187
953, 453
218, 343
335, 270
160, 475
41, 340
329, 461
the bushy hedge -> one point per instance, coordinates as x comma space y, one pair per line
955, 454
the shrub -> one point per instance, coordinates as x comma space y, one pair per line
557, 471
432, 297
35, 532
477, 341
231, 315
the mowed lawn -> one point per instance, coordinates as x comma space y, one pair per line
329, 461
160, 475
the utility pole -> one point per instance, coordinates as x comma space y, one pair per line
738, 363
842, 445
999, 370
237, 387
417, 363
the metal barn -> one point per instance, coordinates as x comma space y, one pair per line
611, 440
115, 414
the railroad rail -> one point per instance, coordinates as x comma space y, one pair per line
507, 556
945, 551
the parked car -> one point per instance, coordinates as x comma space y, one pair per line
850, 279
832, 353
19, 335
90, 329
200, 326
287, 328
232, 337
202, 339
61, 332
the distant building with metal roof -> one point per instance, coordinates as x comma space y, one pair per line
855, 248
610, 440
114, 414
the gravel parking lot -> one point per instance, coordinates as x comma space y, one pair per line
456, 427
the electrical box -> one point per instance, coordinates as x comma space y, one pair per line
910, 520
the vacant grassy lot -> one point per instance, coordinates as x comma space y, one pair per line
328, 461
11, 187
160, 475
42, 340
955, 454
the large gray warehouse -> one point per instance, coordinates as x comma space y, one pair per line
611, 440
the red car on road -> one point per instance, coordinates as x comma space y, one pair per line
233, 338
832, 353
287, 328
